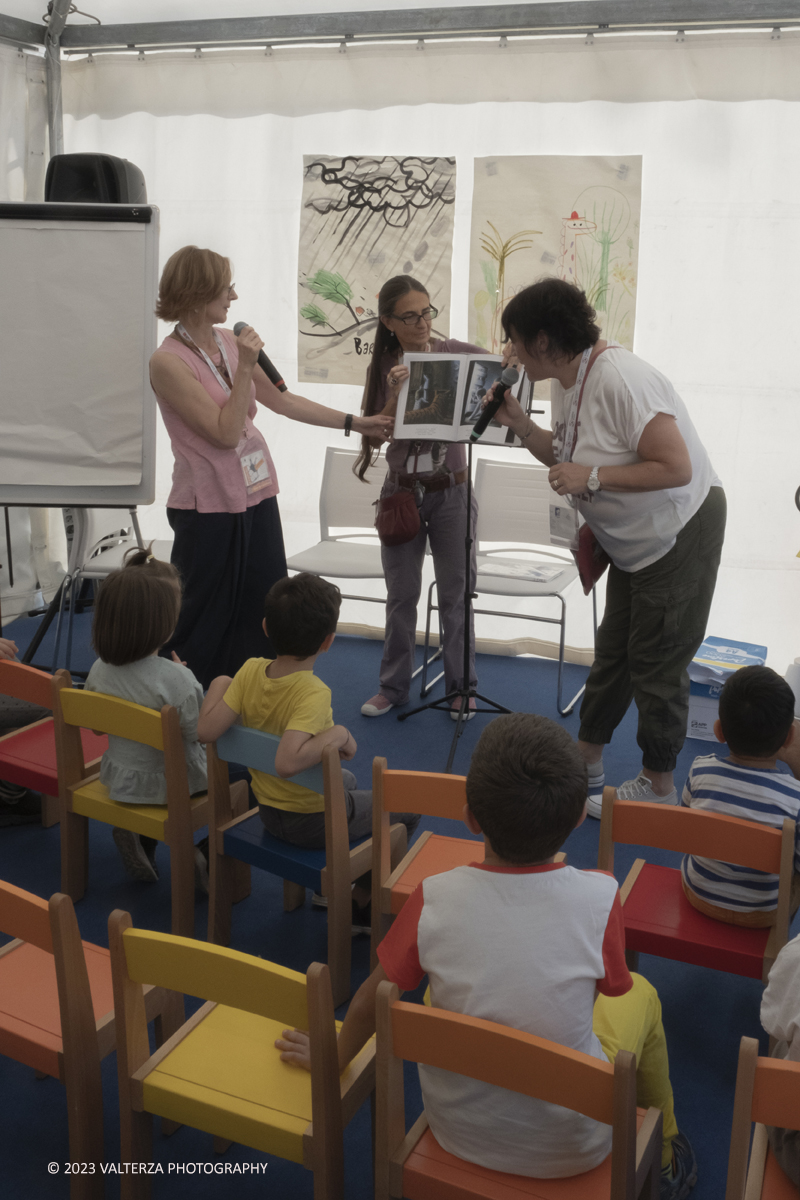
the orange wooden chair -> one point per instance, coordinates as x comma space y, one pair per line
413, 1165
82, 795
221, 1071
431, 795
767, 1092
28, 755
659, 919
57, 1014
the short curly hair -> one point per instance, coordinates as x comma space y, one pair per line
556, 308
191, 279
526, 786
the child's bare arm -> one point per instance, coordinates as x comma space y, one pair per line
790, 752
215, 715
357, 1029
299, 750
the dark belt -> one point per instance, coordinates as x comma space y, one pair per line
437, 484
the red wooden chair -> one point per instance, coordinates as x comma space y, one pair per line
57, 1014
767, 1092
659, 919
28, 756
413, 1165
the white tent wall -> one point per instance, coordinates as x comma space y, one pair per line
221, 138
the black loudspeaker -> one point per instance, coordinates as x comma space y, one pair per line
94, 179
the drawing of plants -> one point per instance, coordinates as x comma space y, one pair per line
499, 252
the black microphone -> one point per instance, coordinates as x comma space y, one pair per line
267, 367
506, 380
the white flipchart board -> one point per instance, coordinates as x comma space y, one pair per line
77, 328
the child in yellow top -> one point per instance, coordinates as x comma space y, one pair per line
284, 697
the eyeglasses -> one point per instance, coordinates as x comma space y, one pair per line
427, 314
231, 290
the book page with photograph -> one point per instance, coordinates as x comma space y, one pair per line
443, 397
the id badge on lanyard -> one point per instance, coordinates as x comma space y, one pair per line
250, 450
564, 516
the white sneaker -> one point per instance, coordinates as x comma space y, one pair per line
455, 709
376, 707
640, 788
597, 781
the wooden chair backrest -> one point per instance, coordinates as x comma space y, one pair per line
257, 749
690, 831
25, 916
25, 683
424, 792
776, 1093
109, 714
504, 1057
216, 973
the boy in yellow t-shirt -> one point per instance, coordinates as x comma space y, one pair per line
283, 696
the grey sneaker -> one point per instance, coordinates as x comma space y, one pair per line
679, 1179
640, 788
134, 859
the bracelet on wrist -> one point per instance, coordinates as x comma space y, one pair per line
348, 424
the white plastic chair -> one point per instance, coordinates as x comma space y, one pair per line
347, 503
101, 539
514, 506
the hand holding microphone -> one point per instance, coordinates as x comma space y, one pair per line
507, 380
267, 367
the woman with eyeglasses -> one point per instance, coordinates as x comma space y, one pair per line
223, 505
439, 471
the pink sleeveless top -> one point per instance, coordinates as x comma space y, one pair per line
205, 477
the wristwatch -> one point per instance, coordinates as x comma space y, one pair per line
348, 424
593, 482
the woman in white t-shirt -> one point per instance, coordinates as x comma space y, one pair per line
623, 447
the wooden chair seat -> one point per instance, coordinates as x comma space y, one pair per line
30, 1018
28, 756
430, 1173
92, 800
431, 854
250, 842
660, 920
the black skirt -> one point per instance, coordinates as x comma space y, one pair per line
227, 563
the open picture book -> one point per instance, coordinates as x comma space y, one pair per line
443, 397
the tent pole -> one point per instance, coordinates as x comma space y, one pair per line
52, 55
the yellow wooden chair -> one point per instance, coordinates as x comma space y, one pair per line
221, 1072
81, 795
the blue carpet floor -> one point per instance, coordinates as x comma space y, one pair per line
705, 1012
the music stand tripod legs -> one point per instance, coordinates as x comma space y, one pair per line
465, 693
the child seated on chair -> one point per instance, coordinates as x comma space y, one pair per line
135, 615
284, 697
529, 943
756, 719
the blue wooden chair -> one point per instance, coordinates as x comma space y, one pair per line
244, 840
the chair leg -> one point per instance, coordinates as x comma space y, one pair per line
632, 960
222, 1145
50, 813
340, 941
137, 1132
221, 887
241, 871
181, 865
165, 1023
74, 854
294, 896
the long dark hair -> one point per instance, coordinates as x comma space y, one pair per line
386, 342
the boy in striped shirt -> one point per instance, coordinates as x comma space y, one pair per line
756, 719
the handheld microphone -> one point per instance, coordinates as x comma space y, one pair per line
267, 367
506, 380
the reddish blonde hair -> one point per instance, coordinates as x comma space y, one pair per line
191, 279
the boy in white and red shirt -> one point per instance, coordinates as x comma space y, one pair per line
529, 943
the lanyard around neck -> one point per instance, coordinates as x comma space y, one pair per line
226, 387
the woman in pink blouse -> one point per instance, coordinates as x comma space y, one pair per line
223, 506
